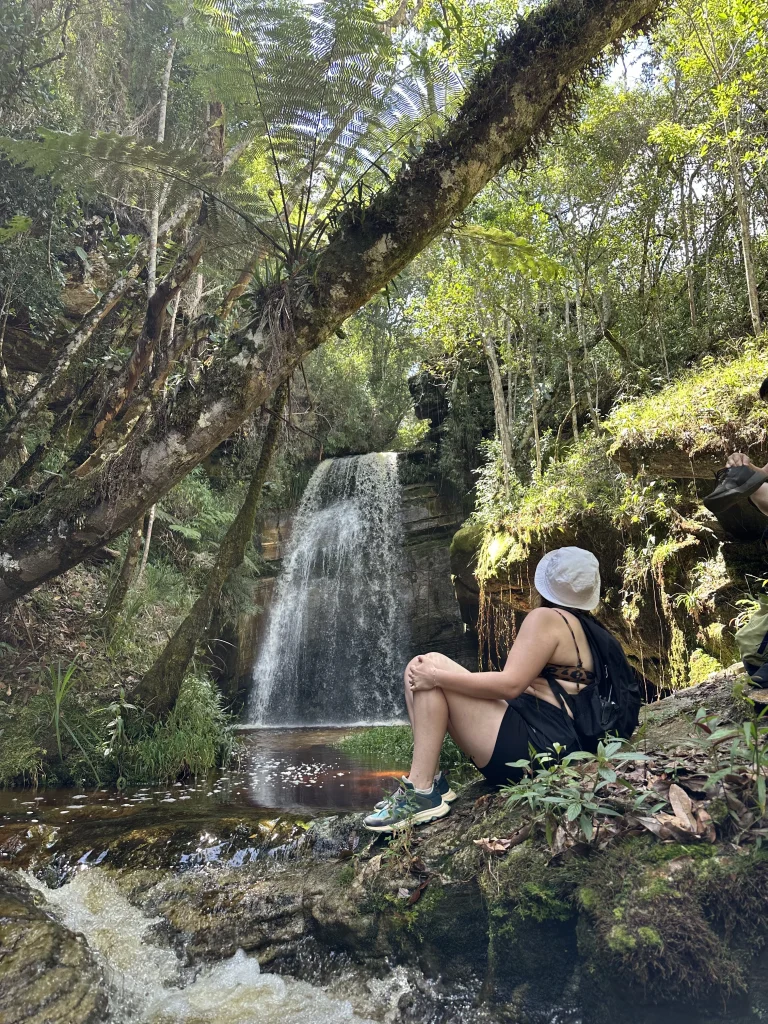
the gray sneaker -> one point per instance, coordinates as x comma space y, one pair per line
443, 788
405, 807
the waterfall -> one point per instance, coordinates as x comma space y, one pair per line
336, 635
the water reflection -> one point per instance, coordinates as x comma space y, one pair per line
302, 769
298, 770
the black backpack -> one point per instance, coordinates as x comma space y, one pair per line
611, 704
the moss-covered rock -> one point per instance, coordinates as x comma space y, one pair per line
47, 973
688, 429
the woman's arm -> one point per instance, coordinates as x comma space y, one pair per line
532, 650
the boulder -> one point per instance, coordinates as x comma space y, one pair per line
47, 973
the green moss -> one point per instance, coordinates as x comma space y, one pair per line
649, 852
620, 940
672, 933
466, 542
650, 937
700, 666
416, 919
346, 875
586, 482
587, 897
704, 409
524, 888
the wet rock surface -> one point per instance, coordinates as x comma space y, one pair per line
634, 932
47, 973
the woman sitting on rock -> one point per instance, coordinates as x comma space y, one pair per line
547, 693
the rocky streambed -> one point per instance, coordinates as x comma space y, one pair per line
317, 921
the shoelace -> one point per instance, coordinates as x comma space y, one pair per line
395, 801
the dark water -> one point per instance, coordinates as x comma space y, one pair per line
300, 772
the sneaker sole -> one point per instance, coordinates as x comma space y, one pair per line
420, 818
722, 502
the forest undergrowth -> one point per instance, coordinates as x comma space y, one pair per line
66, 673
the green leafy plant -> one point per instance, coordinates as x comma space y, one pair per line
734, 746
62, 681
572, 790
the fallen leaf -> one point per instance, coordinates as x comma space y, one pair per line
417, 892
493, 845
706, 825
403, 894
560, 841
656, 827
681, 833
682, 805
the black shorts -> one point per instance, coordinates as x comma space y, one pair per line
527, 723
511, 745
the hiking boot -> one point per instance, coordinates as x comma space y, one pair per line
732, 485
406, 807
443, 788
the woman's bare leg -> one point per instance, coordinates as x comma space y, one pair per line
430, 724
473, 722
442, 661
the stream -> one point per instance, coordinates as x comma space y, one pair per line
285, 777
298, 770
148, 984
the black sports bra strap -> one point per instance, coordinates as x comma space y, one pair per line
578, 652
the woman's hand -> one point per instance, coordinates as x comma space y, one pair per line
421, 674
739, 459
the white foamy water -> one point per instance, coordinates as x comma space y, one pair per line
150, 985
336, 633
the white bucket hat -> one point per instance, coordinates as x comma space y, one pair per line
569, 577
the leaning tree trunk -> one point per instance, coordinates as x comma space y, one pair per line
122, 584
536, 75
160, 687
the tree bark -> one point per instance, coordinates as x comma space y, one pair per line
517, 99
123, 582
147, 540
582, 334
51, 381
569, 365
160, 687
534, 403
499, 405
154, 222
685, 230
742, 206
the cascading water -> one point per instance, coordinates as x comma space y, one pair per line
149, 984
336, 635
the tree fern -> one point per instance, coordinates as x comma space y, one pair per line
320, 92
